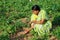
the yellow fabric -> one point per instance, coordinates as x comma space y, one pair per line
42, 15
33, 17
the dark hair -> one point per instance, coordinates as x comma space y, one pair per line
36, 7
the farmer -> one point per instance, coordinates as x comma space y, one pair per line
40, 21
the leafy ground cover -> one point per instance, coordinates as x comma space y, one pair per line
12, 11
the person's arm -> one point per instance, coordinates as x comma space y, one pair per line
38, 22
43, 21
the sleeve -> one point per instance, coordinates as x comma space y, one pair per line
32, 18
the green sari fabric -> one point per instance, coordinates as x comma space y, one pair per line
42, 29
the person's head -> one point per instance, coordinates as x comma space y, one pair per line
36, 9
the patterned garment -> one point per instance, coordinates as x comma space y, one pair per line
34, 17
42, 29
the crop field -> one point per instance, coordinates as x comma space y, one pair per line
15, 15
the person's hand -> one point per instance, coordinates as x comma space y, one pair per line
26, 31
32, 26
